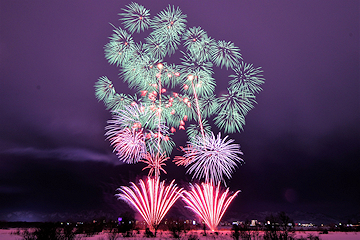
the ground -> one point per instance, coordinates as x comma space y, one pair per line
8, 234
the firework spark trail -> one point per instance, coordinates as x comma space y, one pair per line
152, 200
208, 203
160, 66
191, 78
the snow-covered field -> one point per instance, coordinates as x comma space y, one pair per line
8, 234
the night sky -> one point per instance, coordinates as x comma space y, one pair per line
301, 142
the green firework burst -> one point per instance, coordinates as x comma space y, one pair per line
208, 105
247, 76
192, 38
230, 122
194, 130
225, 54
119, 47
241, 101
155, 47
169, 24
104, 89
136, 17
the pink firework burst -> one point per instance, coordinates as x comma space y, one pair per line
155, 162
208, 203
152, 200
129, 145
184, 161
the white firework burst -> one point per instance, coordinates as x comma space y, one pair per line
212, 158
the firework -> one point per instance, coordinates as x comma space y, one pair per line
209, 105
193, 37
184, 161
151, 199
155, 47
117, 50
155, 163
212, 158
170, 98
208, 203
207, 45
169, 24
194, 130
104, 90
136, 17
225, 54
129, 145
192, 64
230, 122
133, 116
246, 76
241, 101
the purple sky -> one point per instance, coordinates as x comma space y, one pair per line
301, 142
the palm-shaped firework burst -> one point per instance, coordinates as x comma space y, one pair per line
171, 97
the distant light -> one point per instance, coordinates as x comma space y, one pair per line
194, 222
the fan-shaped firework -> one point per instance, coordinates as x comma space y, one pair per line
117, 50
248, 77
208, 203
136, 17
155, 163
152, 200
225, 54
129, 145
213, 158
